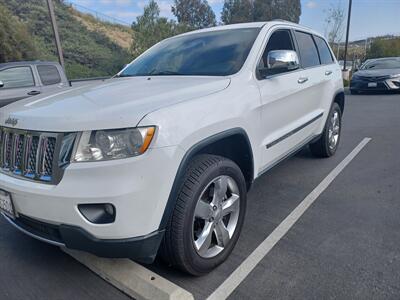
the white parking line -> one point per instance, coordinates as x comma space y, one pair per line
233, 281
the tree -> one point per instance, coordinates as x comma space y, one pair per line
240, 11
237, 11
150, 28
194, 14
334, 25
384, 47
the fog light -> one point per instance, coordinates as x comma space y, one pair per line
101, 213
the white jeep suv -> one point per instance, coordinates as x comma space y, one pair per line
159, 159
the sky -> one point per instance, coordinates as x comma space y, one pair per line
368, 18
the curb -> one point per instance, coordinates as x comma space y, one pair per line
131, 278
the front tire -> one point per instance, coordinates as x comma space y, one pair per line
208, 216
328, 142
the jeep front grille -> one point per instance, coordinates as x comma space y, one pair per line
30, 154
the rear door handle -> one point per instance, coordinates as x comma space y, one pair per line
33, 93
327, 73
302, 80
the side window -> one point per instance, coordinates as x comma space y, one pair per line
279, 40
308, 52
324, 52
17, 77
49, 74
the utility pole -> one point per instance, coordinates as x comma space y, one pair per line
347, 36
55, 31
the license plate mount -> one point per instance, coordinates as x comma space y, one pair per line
6, 204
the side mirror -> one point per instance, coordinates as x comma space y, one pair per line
280, 61
1, 84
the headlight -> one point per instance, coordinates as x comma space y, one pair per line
394, 76
113, 144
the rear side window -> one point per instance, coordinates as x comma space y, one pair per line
324, 53
49, 74
308, 51
17, 77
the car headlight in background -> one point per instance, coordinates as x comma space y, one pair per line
110, 144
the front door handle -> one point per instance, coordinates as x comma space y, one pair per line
33, 93
327, 73
302, 79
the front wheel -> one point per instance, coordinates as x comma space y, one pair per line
328, 142
208, 216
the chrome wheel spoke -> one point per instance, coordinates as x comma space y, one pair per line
230, 205
335, 130
203, 210
220, 189
204, 241
222, 234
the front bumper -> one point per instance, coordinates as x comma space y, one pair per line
364, 85
137, 187
143, 249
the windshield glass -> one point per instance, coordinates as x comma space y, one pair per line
382, 64
215, 53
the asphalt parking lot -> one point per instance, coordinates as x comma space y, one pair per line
345, 246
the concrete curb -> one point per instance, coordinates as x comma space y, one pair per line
131, 278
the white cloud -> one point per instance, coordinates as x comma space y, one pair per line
311, 4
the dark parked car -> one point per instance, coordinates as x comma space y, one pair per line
382, 74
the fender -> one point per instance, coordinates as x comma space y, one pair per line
195, 149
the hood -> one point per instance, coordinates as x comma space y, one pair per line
377, 73
116, 103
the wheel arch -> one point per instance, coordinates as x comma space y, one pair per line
223, 144
339, 98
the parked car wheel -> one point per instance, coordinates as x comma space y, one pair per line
208, 216
328, 142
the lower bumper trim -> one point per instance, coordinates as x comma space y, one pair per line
143, 249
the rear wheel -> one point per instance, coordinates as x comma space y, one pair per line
328, 142
208, 216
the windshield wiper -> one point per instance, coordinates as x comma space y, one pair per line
155, 73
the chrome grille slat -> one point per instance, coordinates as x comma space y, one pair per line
28, 154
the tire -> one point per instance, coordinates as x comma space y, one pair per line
205, 178
325, 146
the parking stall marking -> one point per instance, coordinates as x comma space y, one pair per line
244, 269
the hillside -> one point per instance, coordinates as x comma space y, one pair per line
119, 34
91, 48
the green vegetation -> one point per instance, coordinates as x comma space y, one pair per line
87, 52
240, 11
15, 41
384, 48
195, 14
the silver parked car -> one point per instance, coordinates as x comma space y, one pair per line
19, 80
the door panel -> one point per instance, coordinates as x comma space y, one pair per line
18, 84
286, 106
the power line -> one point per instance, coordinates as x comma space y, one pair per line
98, 15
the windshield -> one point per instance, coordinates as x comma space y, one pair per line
215, 53
382, 64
